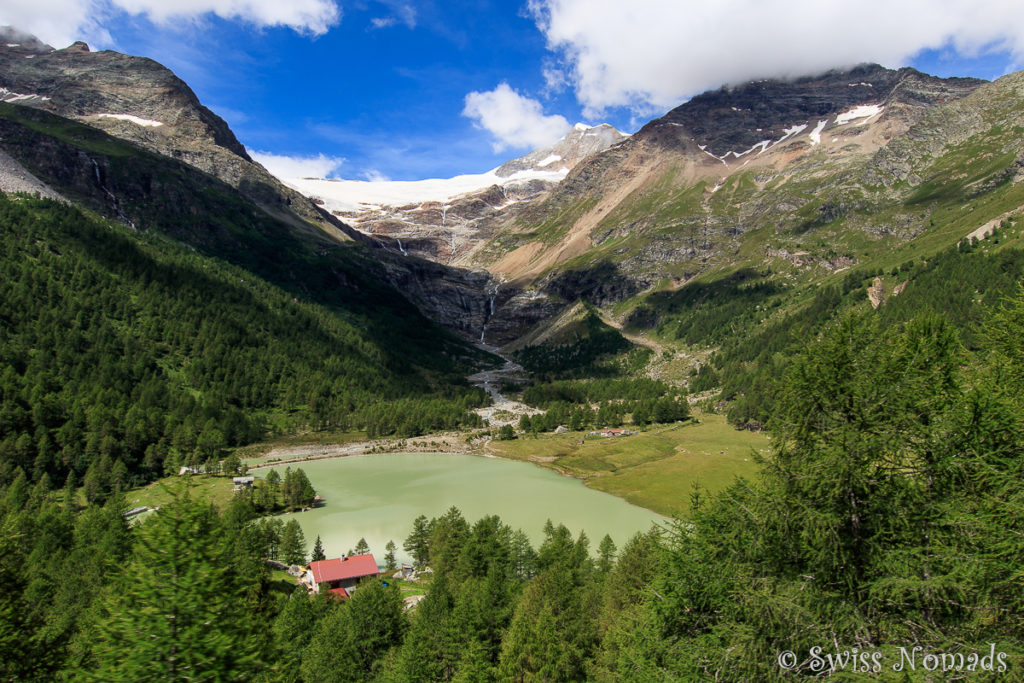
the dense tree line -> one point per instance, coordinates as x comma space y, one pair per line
593, 341
124, 356
889, 513
603, 402
962, 283
710, 313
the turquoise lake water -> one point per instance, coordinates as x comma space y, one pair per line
377, 497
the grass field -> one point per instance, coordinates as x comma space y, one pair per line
655, 469
162, 491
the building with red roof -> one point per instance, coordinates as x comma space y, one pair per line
342, 573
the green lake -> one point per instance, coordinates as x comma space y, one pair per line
377, 497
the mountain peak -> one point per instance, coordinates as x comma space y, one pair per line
15, 39
579, 143
735, 118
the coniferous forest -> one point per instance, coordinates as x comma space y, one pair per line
888, 515
125, 356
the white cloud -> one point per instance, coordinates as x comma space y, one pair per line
401, 12
306, 16
375, 176
61, 22
515, 121
288, 167
654, 53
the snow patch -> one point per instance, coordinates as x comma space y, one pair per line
864, 111
704, 148
549, 160
11, 96
581, 126
13, 44
146, 123
763, 145
816, 133
790, 132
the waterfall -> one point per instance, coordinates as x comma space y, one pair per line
401, 248
492, 291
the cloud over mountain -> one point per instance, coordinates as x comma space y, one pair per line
514, 120
284, 166
61, 22
651, 54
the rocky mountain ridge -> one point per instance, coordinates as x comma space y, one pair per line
795, 179
767, 129
139, 101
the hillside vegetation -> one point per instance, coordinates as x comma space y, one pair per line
882, 537
124, 355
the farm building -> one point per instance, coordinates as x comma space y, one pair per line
339, 576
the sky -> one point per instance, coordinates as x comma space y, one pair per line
410, 89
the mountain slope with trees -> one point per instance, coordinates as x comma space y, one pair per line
126, 355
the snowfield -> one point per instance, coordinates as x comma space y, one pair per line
864, 111
353, 195
146, 123
11, 96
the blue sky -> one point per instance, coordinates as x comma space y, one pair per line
405, 89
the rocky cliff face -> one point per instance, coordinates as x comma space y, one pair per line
727, 122
578, 144
138, 99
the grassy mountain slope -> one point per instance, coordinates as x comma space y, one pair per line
747, 260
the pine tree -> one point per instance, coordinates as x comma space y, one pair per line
390, 563
293, 544
318, 551
354, 638
605, 554
177, 613
417, 543
362, 547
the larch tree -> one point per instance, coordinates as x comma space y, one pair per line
178, 613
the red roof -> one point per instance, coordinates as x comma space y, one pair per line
339, 592
341, 568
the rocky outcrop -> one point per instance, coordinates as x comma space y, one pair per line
140, 100
578, 144
738, 118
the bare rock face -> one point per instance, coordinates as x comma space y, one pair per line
138, 99
737, 118
876, 293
